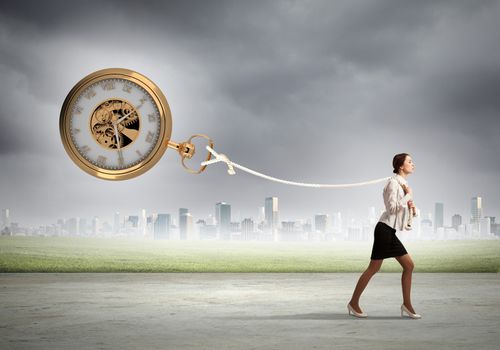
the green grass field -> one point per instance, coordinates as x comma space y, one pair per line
65, 254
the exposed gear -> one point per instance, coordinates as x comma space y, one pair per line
101, 123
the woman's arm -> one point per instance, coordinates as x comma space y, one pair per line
391, 197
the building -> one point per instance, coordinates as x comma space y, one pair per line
116, 223
337, 223
495, 227
182, 211
307, 227
492, 223
456, 220
143, 224
82, 227
5, 228
476, 210
427, 231
5, 218
354, 232
185, 223
485, 227
72, 227
223, 219
161, 227
95, 226
133, 221
247, 229
271, 222
322, 223
261, 215
207, 229
438, 216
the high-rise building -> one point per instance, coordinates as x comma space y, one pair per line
493, 225
185, 223
73, 227
162, 226
456, 220
307, 227
211, 220
476, 210
143, 224
247, 228
291, 230
261, 215
133, 221
5, 218
223, 218
354, 232
337, 223
438, 216
116, 223
288, 226
95, 226
5, 226
82, 227
182, 212
271, 216
485, 227
322, 223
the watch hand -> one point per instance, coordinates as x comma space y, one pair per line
116, 137
122, 118
120, 155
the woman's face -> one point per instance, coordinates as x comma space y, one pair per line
408, 166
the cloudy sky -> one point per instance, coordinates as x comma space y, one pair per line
312, 91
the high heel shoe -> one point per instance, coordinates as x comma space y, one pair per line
412, 315
357, 314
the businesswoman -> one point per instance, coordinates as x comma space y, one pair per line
398, 200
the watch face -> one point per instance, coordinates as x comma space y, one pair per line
115, 124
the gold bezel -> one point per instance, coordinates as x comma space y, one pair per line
165, 124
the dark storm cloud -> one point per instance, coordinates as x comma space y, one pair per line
299, 89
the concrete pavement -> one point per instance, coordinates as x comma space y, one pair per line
245, 311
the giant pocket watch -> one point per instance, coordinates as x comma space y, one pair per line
115, 124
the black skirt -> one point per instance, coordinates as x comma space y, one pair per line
386, 244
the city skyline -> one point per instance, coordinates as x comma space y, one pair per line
148, 224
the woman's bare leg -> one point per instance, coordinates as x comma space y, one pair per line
407, 264
363, 282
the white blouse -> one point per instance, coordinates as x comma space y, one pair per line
396, 203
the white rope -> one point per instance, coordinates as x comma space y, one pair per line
219, 157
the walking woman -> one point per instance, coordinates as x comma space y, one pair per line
399, 209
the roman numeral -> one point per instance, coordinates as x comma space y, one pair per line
127, 88
76, 131
149, 137
85, 149
89, 94
152, 117
108, 85
139, 153
101, 160
78, 110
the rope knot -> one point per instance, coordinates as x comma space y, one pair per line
219, 158
223, 158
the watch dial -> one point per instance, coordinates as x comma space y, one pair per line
114, 124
